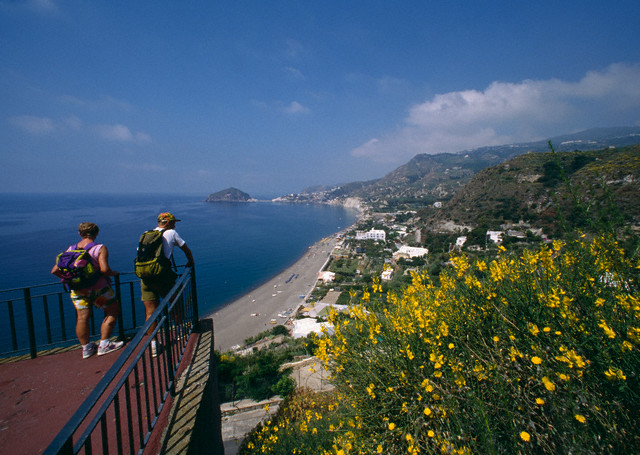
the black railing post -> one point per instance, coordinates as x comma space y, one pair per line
133, 305
30, 325
12, 323
67, 448
120, 316
47, 319
63, 324
168, 349
194, 295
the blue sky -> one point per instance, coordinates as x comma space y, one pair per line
274, 96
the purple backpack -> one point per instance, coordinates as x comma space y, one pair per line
77, 267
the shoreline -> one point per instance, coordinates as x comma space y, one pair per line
254, 312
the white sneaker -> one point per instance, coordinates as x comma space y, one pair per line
155, 348
89, 350
110, 347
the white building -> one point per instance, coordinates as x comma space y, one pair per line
321, 309
495, 236
373, 234
305, 326
327, 277
460, 241
386, 275
410, 252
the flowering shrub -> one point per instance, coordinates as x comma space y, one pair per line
306, 423
536, 353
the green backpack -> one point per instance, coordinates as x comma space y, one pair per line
150, 262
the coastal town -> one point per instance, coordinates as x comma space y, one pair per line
378, 247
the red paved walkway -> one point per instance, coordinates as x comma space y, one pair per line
38, 396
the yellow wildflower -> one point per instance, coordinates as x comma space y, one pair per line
607, 330
615, 374
580, 418
525, 436
536, 360
548, 384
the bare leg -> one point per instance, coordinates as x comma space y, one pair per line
149, 307
110, 316
82, 325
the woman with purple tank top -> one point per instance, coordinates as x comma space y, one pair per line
100, 295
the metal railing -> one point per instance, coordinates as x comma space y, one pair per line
38, 318
121, 412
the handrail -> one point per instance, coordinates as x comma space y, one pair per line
40, 317
123, 419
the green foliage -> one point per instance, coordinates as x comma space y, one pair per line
284, 386
305, 423
277, 330
439, 243
552, 174
536, 353
559, 191
258, 375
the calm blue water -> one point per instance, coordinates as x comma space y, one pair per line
236, 246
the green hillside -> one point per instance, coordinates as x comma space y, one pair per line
545, 188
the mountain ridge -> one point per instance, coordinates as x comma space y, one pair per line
428, 178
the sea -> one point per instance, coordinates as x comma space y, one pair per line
236, 246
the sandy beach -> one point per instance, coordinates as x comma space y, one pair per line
253, 312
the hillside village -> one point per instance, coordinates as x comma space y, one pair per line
388, 252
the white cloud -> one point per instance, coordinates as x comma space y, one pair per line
121, 133
296, 108
103, 102
37, 126
42, 6
38, 6
73, 122
294, 73
32, 124
293, 48
512, 112
142, 138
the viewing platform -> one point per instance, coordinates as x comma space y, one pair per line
128, 401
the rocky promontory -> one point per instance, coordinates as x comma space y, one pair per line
229, 195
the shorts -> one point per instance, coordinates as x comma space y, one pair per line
100, 298
156, 289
